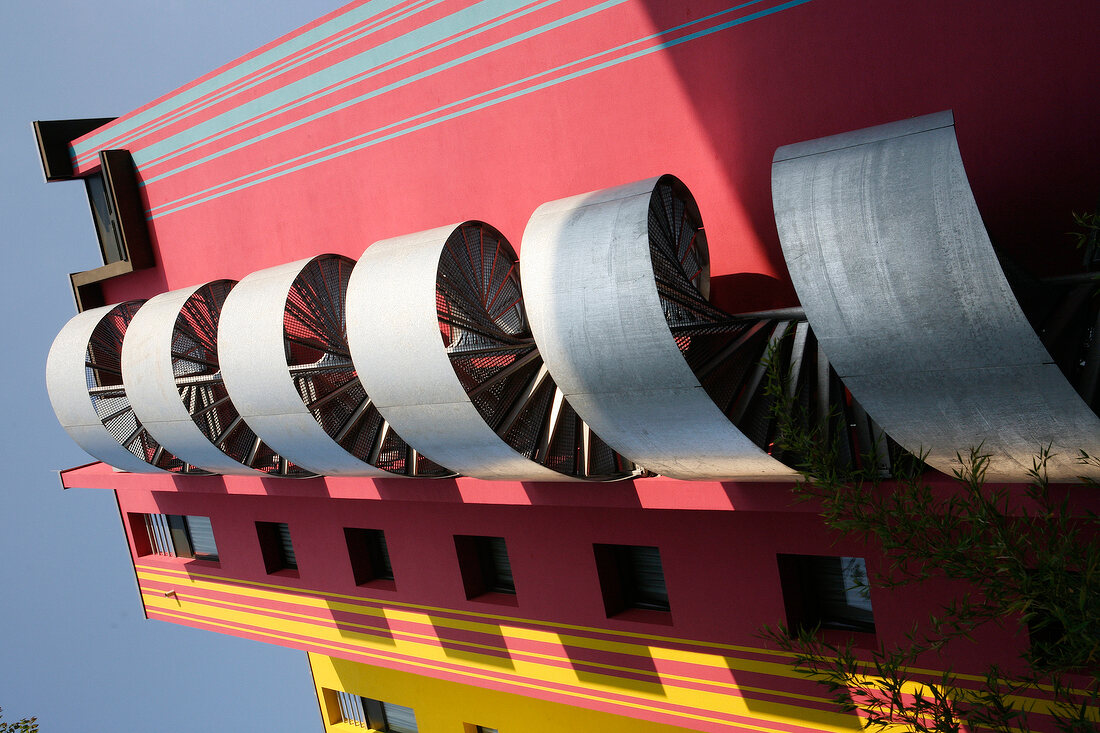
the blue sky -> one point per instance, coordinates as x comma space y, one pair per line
74, 647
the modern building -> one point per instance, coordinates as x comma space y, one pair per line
333, 420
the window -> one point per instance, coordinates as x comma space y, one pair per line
484, 564
366, 712
370, 558
114, 194
631, 576
105, 219
826, 592
174, 535
275, 544
1046, 632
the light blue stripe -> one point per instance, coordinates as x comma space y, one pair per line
450, 105
485, 105
260, 79
236, 73
334, 78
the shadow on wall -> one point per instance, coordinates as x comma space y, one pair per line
200, 484
634, 671
742, 292
770, 696
364, 624
483, 644
1026, 128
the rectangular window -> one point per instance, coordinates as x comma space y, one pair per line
631, 576
369, 555
484, 564
821, 591
104, 218
374, 714
276, 547
174, 535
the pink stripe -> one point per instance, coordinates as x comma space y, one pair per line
607, 701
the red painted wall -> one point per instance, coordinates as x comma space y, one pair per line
711, 110
1020, 76
720, 567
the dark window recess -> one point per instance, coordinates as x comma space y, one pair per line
484, 564
118, 210
174, 535
118, 213
631, 576
827, 592
105, 219
385, 716
370, 558
1046, 633
485, 729
276, 547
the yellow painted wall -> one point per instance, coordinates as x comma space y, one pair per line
446, 707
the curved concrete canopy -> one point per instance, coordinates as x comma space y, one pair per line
594, 309
889, 256
147, 372
397, 347
252, 351
67, 384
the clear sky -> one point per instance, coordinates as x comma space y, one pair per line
74, 647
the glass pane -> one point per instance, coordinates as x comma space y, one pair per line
202, 538
287, 547
647, 578
380, 555
842, 595
399, 719
103, 218
500, 577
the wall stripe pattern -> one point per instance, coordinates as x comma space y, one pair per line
385, 73
713, 687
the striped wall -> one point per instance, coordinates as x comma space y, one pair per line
389, 117
394, 116
444, 705
660, 679
655, 678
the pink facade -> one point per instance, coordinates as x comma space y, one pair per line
711, 106
374, 123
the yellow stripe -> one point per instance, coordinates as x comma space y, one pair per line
511, 619
472, 674
369, 637
672, 655
259, 615
530, 674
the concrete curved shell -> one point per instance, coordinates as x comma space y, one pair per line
898, 277
397, 347
147, 372
252, 352
67, 384
594, 309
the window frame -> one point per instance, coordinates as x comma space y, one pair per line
274, 538
483, 578
810, 590
619, 569
171, 535
369, 555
